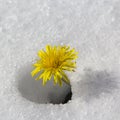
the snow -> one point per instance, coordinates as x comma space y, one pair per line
92, 27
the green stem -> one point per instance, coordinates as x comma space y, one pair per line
68, 83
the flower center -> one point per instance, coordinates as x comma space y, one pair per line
56, 64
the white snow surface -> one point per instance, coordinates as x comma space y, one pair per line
92, 27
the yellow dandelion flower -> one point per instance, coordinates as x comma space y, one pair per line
53, 62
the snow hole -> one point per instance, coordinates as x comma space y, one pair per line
33, 90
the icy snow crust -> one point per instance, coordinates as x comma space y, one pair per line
92, 27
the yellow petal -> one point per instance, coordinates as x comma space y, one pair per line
35, 71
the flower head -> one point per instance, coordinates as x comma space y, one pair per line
53, 62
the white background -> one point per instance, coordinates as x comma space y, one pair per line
92, 27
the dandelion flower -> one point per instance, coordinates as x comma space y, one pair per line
53, 63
